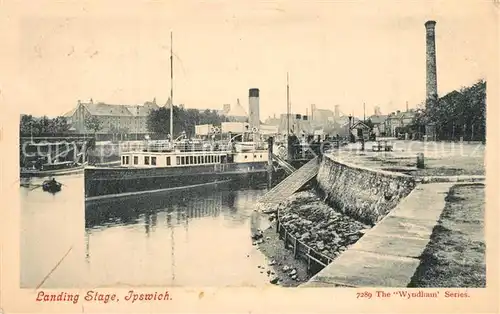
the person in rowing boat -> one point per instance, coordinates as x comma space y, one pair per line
52, 183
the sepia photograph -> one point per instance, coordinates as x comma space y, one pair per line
276, 144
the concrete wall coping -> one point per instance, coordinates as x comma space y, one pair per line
419, 179
436, 179
371, 170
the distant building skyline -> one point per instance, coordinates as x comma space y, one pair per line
381, 60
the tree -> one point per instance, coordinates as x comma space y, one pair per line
93, 123
26, 124
158, 121
44, 125
60, 125
417, 126
457, 114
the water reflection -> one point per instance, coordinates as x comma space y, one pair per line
197, 238
180, 210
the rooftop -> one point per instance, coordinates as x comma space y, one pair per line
236, 110
103, 109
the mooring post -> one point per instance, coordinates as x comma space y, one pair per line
270, 162
295, 251
308, 261
278, 222
285, 238
420, 161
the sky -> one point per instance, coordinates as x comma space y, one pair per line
336, 52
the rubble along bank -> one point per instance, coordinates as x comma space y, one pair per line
306, 217
281, 261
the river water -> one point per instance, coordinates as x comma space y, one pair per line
195, 238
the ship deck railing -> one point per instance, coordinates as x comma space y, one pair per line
183, 147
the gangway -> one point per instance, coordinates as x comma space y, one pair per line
292, 183
289, 169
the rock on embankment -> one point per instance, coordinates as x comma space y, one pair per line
305, 216
364, 194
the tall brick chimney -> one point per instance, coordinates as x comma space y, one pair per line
431, 75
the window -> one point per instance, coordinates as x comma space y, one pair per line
195, 161
146, 160
168, 161
260, 156
123, 159
153, 161
199, 159
187, 160
191, 159
127, 159
178, 160
183, 160
136, 160
212, 159
246, 156
254, 156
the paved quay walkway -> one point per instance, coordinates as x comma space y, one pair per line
388, 254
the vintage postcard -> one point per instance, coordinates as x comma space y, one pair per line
249, 156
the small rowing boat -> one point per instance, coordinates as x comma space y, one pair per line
51, 186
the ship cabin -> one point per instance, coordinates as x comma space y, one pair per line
177, 159
140, 159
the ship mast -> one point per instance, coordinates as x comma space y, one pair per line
287, 107
171, 92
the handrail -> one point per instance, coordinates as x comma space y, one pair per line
289, 168
296, 241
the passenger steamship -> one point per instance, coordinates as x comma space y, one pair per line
179, 164
162, 166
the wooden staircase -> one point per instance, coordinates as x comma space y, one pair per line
292, 183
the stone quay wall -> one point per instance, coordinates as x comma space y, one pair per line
364, 194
